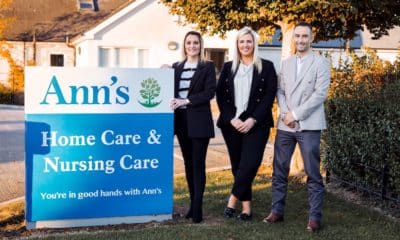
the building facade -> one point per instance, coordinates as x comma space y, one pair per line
141, 33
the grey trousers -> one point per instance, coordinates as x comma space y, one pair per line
309, 143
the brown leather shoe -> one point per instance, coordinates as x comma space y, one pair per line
313, 226
273, 218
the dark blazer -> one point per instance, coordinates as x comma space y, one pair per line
262, 95
201, 91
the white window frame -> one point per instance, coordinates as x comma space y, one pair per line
137, 60
110, 59
114, 53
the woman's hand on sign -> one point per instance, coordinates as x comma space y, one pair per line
178, 102
166, 66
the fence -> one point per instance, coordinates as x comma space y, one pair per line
362, 142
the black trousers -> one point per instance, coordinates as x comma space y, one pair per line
194, 151
246, 152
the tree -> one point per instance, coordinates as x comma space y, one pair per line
16, 71
4, 21
330, 19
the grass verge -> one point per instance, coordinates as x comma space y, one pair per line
342, 220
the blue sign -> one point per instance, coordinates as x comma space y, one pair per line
99, 144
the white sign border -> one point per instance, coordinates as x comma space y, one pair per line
87, 222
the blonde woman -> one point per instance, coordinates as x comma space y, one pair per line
245, 93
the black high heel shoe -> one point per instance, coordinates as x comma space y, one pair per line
245, 217
197, 219
197, 215
229, 212
189, 214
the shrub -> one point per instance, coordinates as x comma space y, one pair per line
363, 136
13, 93
5, 95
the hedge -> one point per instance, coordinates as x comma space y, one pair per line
362, 142
6, 97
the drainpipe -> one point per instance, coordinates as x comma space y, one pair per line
24, 52
71, 46
95, 6
34, 47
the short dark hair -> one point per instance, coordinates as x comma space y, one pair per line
303, 24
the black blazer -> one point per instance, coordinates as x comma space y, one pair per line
201, 91
262, 95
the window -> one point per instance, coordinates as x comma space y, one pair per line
56, 60
116, 57
88, 5
142, 57
124, 57
218, 56
105, 57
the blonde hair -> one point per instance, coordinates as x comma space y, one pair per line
201, 54
236, 54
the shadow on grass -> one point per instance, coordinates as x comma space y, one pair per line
342, 220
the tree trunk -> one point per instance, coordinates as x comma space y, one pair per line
287, 40
288, 49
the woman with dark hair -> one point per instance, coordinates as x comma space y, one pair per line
195, 84
245, 94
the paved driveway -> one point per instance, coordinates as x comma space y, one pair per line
12, 150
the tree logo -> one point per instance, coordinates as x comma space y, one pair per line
150, 90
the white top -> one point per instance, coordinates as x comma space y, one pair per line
186, 77
299, 64
242, 85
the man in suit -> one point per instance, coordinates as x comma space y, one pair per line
302, 90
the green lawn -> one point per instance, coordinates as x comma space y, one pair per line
342, 220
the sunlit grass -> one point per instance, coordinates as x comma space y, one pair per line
12, 217
342, 220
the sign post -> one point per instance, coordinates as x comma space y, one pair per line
99, 146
